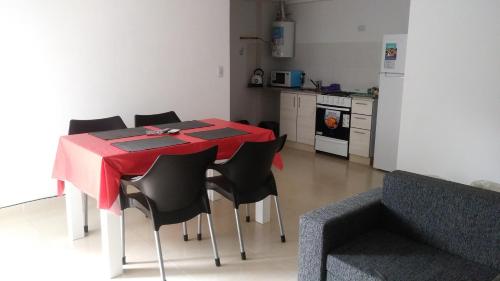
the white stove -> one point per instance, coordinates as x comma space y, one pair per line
333, 122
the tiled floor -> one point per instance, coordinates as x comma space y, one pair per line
34, 245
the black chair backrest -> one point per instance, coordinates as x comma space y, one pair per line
95, 125
282, 141
175, 182
156, 119
250, 166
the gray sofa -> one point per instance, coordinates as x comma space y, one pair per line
413, 228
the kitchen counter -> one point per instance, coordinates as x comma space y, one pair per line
363, 95
297, 90
312, 91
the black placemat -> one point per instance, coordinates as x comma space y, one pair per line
145, 144
217, 134
119, 134
185, 125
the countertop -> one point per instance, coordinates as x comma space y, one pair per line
312, 91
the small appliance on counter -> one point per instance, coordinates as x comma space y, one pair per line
288, 79
333, 88
257, 79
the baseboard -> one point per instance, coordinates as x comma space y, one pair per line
299, 146
360, 159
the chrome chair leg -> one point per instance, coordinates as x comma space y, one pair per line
185, 231
212, 236
278, 211
240, 238
85, 213
198, 236
160, 256
122, 227
248, 212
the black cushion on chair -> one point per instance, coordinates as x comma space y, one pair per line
156, 119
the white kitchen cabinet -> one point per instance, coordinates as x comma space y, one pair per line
298, 116
362, 127
360, 142
362, 106
288, 115
361, 121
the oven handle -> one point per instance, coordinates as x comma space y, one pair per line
333, 108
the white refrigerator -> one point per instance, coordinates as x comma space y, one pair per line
392, 72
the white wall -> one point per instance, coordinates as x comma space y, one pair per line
330, 47
62, 59
450, 123
245, 102
252, 104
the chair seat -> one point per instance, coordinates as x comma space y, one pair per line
384, 256
221, 185
137, 200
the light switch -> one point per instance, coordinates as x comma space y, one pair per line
220, 71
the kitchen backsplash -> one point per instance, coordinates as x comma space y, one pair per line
355, 65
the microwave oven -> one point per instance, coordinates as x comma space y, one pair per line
290, 79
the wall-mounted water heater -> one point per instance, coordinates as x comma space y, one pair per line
283, 39
283, 34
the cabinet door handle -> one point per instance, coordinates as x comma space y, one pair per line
299, 102
360, 103
294, 101
360, 118
360, 133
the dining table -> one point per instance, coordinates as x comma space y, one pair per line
94, 164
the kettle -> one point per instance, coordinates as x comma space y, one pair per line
257, 77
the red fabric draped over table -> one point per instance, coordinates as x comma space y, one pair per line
95, 166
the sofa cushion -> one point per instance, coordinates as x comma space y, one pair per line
456, 218
380, 255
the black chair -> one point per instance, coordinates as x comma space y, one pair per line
156, 119
247, 178
270, 125
245, 122
88, 126
172, 191
280, 147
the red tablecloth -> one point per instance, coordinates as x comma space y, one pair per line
95, 166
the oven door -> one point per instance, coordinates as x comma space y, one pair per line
333, 122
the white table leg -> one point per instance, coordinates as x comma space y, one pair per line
263, 210
74, 211
212, 195
111, 243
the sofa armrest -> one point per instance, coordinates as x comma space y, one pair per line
324, 229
